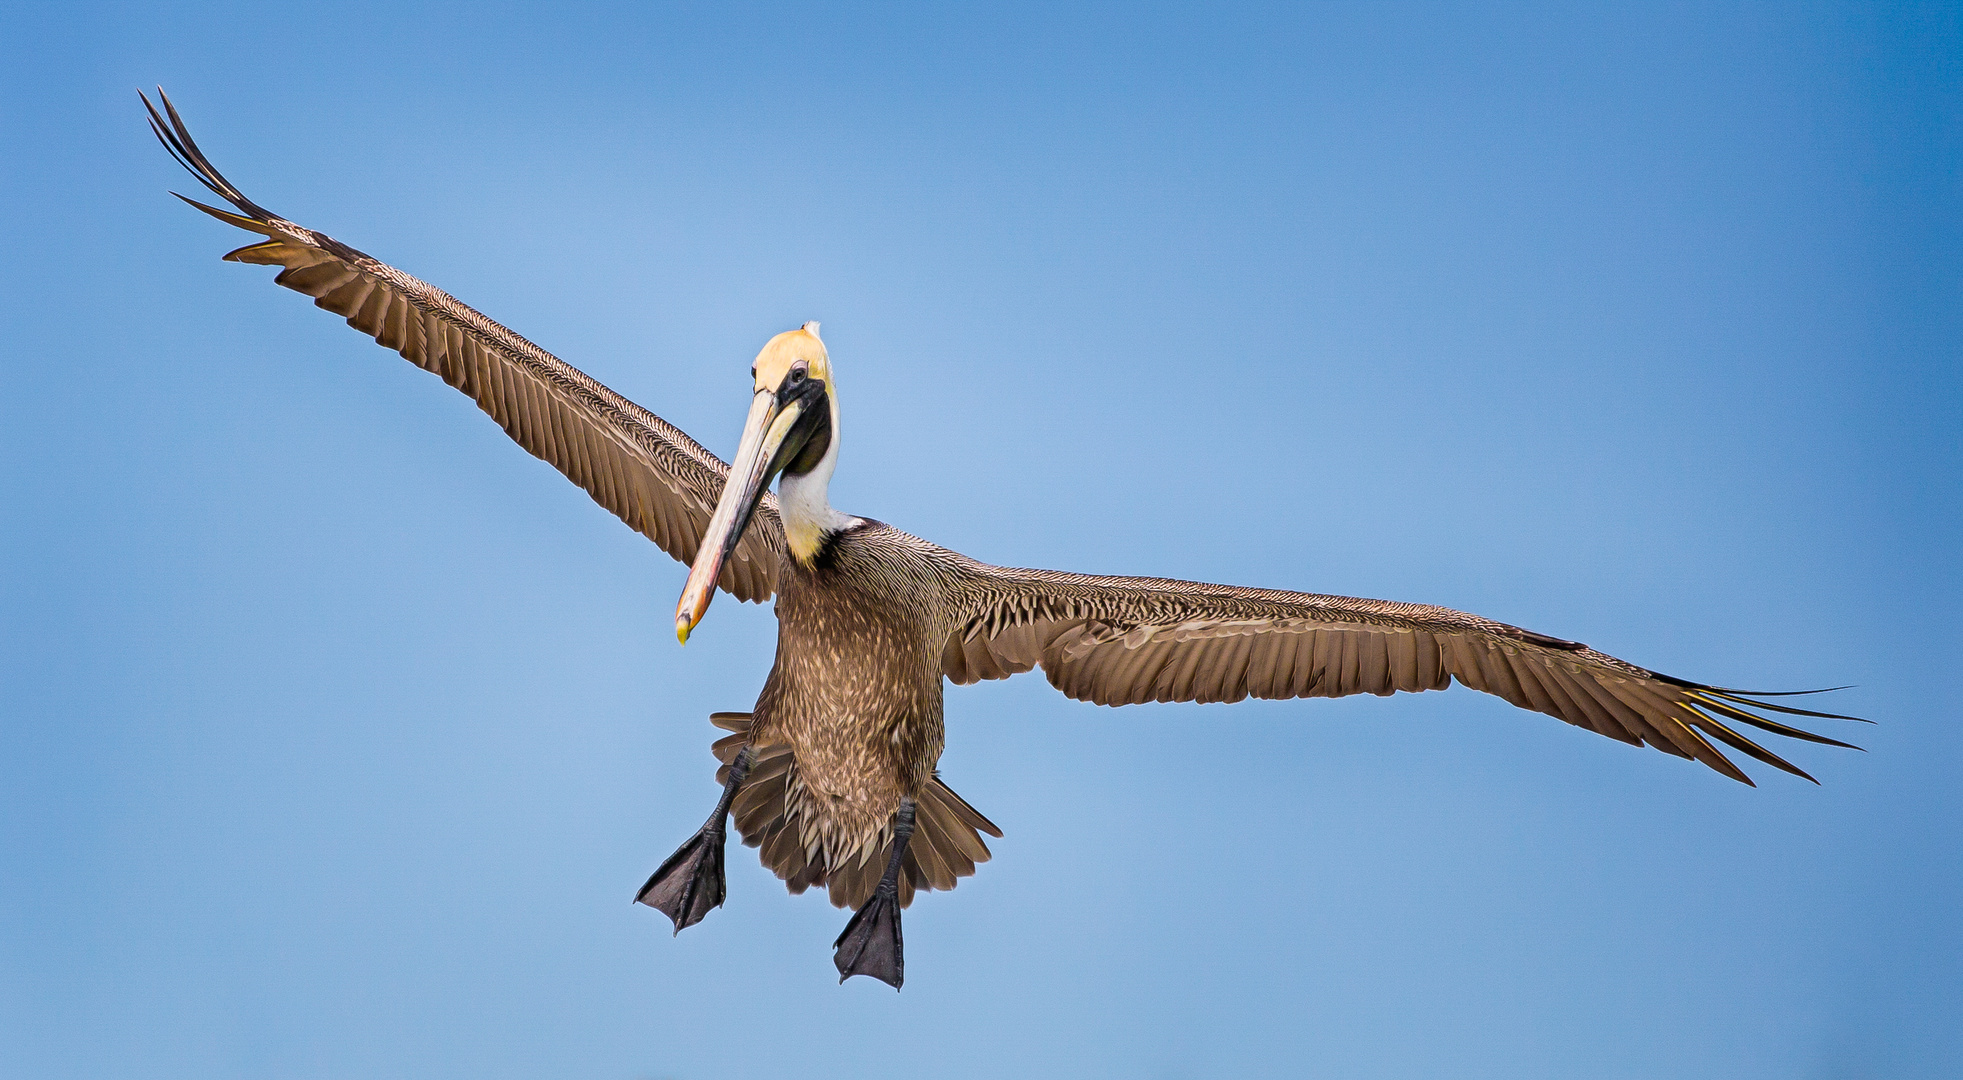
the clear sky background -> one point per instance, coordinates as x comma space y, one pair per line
336, 733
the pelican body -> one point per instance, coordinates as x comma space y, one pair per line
832, 772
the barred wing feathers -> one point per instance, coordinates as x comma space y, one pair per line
1122, 641
642, 468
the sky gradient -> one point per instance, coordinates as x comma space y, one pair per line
338, 732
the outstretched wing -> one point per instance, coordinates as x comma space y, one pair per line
1122, 641
644, 469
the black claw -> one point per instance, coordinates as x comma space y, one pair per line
871, 943
690, 883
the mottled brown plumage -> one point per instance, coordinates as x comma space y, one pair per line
871, 619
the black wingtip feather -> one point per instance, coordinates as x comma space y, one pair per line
1689, 685
1743, 745
1733, 712
1716, 704
230, 218
1749, 697
1741, 699
170, 129
1781, 693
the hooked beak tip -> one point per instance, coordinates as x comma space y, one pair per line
683, 624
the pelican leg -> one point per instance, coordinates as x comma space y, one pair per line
691, 881
871, 944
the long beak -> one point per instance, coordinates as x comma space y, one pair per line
749, 476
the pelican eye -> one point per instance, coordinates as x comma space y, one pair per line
797, 376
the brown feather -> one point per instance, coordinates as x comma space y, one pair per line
550, 408
1176, 640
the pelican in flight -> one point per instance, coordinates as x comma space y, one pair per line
832, 772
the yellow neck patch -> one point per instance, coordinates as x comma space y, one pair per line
806, 538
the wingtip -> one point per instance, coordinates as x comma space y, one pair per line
171, 131
229, 218
1779, 693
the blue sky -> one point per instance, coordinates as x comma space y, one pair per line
339, 732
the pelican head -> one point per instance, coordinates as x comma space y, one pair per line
792, 429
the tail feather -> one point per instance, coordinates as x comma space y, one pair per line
946, 844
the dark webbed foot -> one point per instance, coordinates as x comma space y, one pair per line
871, 942
690, 882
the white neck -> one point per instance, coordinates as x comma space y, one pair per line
808, 515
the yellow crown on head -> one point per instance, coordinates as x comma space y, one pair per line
786, 349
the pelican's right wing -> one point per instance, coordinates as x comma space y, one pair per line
1121, 641
644, 469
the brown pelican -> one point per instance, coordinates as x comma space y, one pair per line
832, 773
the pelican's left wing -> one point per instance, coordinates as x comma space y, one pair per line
1121, 641
644, 469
